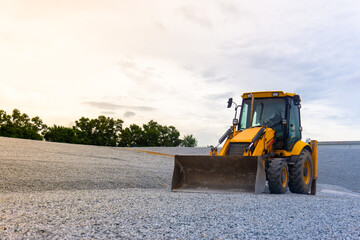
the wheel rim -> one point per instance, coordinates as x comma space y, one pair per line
284, 176
307, 172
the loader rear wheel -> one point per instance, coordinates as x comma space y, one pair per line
278, 176
301, 173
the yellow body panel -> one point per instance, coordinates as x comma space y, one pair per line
282, 153
313, 144
267, 94
246, 136
263, 142
225, 148
298, 147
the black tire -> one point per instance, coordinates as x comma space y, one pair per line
278, 176
301, 173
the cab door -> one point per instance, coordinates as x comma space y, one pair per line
294, 124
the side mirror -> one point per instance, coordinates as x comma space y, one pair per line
296, 100
229, 103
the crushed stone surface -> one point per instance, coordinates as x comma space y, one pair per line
64, 191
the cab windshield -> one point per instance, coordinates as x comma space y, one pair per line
267, 111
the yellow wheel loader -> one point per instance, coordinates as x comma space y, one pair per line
263, 146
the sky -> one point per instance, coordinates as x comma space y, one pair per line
178, 62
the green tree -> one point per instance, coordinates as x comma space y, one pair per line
4, 118
158, 135
103, 131
39, 125
83, 130
125, 138
61, 134
189, 141
106, 131
169, 136
151, 133
19, 125
132, 135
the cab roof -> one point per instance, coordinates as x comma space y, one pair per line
267, 94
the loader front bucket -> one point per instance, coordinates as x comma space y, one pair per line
218, 174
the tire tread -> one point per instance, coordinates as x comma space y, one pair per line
274, 176
296, 179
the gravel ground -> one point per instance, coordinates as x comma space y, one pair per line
28, 165
63, 191
339, 166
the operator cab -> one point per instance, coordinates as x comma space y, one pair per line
280, 112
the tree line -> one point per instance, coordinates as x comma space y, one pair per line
101, 131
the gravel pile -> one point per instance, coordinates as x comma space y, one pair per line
63, 191
28, 165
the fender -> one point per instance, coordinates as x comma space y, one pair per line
298, 147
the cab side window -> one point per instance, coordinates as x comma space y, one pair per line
294, 125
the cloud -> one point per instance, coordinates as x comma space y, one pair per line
136, 72
221, 96
103, 105
228, 8
112, 106
208, 73
129, 114
108, 113
211, 76
194, 15
182, 60
160, 26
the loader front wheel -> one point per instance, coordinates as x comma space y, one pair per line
301, 173
278, 176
